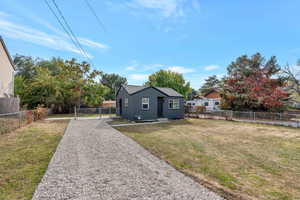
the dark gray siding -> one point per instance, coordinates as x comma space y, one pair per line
122, 95
135, 105
174, 113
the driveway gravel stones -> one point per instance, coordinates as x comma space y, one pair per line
94, 161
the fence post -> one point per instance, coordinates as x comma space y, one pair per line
75, 112
280, 114
254, 116
20, 119
99, 112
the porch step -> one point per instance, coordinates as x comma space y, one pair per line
162, 119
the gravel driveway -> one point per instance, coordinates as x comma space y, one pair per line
95, 161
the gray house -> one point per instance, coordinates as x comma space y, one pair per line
149, 103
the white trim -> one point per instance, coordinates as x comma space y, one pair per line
173, 104
148, 104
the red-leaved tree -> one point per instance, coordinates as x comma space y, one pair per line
251, 85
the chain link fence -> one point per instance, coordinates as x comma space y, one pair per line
284, 119
12, 121
99, 112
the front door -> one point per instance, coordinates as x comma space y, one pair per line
120, 106
160, 104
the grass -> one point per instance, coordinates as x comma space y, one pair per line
8, 124
24, 157
118, 121
248, 161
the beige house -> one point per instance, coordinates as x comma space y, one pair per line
7, 70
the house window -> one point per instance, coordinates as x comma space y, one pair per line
174, 104
145, 103
205, 103
126, 102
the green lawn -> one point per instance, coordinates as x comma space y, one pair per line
244, 160
24, 157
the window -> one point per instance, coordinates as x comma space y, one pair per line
126, 102
145, 103
174, 104
217, 103
205, 103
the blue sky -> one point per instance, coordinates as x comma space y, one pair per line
195, 37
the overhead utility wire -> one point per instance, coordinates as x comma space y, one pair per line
64, 28
69, 28
101, 24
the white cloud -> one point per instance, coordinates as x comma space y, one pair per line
180, 69
92, 44
135, 65
165, 8
130, 68
57, 40
211, 67
3, 14
139, 77
152, 67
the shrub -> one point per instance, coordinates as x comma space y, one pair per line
40, 113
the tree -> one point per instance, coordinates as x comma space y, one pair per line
174, 80
193, 93
293, 76
211, 82
251, 85
113, 82
61, 84
25, 66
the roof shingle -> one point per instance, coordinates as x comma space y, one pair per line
132, 89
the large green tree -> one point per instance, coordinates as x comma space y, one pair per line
170, 79
211, 82
25, 66
113, 82
61, 84
253, 84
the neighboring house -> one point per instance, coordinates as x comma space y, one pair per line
109, 104
149, 103
211, 100
8, 103
213, 94
6, 72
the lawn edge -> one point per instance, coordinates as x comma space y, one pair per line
54, 152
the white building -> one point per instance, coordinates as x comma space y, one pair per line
211, 100
210, 104
6, 72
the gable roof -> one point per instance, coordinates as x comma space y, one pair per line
7, 53
211, 91
133, 89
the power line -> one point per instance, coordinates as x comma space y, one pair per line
95, 14
64, 28
69, 28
